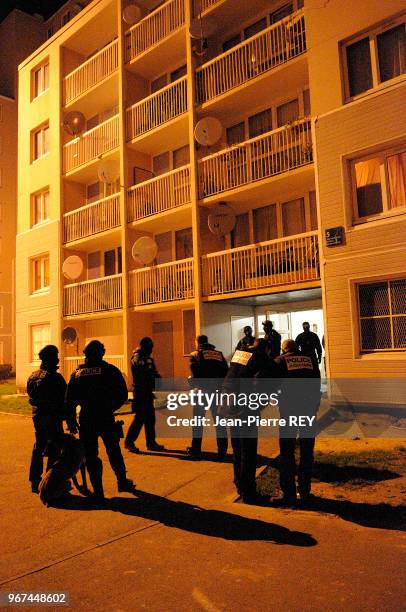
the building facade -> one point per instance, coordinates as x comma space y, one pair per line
196, 128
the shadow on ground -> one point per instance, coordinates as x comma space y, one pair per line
181, 515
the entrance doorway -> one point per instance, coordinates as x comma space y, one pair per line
162, 334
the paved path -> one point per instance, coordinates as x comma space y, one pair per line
182, 544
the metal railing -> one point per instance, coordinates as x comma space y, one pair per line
273, 46
158, 108
163, 283
201, 6
278, 151
92, 218
91, 72
100, 139
284, 261
158, 194
91, 296
71, 363
153, 28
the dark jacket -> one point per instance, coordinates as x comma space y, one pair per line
208, 362
46, 391
300, 384
274, 343
245, 343
308, 343
144, 373
99, 388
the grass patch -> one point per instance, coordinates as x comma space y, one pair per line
13, 405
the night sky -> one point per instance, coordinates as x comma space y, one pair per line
44, 7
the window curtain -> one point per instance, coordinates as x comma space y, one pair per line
397, 180
265, 223
369, 192
293, 215
240, 234
392, 53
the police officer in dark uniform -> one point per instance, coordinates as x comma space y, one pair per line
300, 397
208, 367
100, 389
46, 391
247, 340
252, 363
273, 339
308, 344
144, 376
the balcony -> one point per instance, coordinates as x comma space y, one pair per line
92, 296
144, 39
71, 363
160, 194
91, 219
169, 282
253, 58
166, 106
89, 146
256, 159
264, 266
92, 72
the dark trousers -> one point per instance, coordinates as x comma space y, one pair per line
144, 415
89, 433
288, 465
197, 432
245, 459
46, 430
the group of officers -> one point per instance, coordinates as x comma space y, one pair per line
99, 388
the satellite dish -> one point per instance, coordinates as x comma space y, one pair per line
72, 267
199, 29
132, 14
69, 335
208, 131
74, 123
144, 250
109, 171
221, 220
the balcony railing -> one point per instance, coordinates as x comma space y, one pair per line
277, 44
100, 139
159, 194
155, 27
163, 283
272, 153
285, 261
91, 219
91, 72
71, 363
91, 296
201, 6
158, 108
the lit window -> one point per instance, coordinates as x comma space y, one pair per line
40, 80
40, 207
40, 337
40, 274
382, 315
41, 142
379, 183
375, 58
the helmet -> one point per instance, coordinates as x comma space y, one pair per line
48, 353
94, 348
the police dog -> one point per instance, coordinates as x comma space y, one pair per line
56, 482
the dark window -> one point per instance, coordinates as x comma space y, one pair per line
231, 42
254, 28
184, 243
159, 83
359, 67
240, 235
284, 11
235, 134
160, 163
392, 53
110, 262
260, 123
306, 103
265, 223
178, 73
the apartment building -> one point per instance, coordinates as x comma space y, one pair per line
194, 129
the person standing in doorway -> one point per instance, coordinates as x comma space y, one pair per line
308, 343
247, 340
273, 339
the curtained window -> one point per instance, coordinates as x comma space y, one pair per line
392, 53
293, 215
260, 123
240, 235
265, 223
397, 179
369, 190
288, 112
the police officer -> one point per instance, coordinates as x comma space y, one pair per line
252, 363
300, 397
208, 367
144, 374
46, 391
273, 339
247, 340
100, 389
308, 344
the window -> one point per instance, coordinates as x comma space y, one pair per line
40, 274
40, 207
181, 156
65, 18
184, 243
160, 163
231, 42
40, 142
189, 331
159, 83
254, 28
382, 315
178, 73
235, 134
288, 112
92, 192
379, 183
40, 336
306, 103
313, 210
40, 80
293, 216
240, 235
112, 262
281, 13
260, 123
374, 58
265, 223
